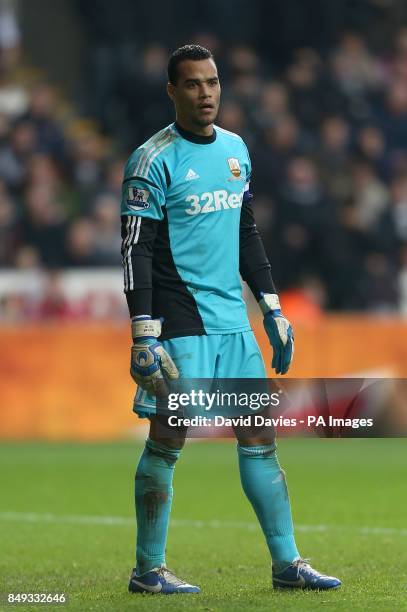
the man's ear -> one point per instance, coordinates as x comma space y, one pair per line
170, 90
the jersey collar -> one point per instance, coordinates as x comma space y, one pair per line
197, 139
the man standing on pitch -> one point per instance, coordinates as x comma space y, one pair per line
188, 233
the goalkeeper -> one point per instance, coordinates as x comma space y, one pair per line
187, 232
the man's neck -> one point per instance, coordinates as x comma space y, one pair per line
198, 130
194, 136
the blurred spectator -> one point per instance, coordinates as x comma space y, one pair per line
113, 40
273, 104
306, 221
313, 93
81, 244
333, 156
53, 303
371, 147
107, 241
41, 114
395, 67
402, 281
241, 68
378, 286
13, 95
371, 196
264, 210
41, 170
243, 60
392, 224
279, 143
27, 258
356, 70
394, 117
334, 140
44, 225
149, 78
8, 225
87, 156
15, 154
231, 117
114, 177
10, 37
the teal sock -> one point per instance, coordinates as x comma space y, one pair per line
264, 483
153, 495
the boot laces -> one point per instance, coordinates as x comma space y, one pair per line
169, 576
304, 565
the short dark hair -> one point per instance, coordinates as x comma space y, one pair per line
187, 52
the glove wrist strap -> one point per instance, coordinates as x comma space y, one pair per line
268, 302
141, 328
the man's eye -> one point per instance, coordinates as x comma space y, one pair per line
191, 85
213, 83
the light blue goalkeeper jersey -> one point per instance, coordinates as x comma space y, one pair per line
193, 186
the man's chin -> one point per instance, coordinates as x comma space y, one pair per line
205, 120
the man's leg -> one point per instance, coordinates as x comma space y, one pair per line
194, 357
265, 486
263, 480
153, 495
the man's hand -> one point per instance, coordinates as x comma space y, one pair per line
150, 363
279, 332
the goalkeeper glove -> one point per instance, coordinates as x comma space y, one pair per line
150, 363
279, 332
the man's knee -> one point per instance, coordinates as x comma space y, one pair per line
161, 432
263, 439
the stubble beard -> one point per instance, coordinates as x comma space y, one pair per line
205, 121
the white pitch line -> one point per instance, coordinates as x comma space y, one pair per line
82, 519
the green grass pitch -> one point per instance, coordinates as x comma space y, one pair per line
66, 525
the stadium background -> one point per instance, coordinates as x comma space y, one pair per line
319, 92
318, 89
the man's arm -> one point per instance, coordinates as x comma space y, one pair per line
255, 269
149, 361
144, 188
138, 236
254, 265
143, 197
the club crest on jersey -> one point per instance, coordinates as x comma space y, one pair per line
234, 166
137, 198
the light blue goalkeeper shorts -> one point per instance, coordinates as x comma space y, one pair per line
213, 356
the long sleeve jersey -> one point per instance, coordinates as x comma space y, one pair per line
188, 233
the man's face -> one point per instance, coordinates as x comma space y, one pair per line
196, 94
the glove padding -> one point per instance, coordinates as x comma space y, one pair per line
279, 332
150, 363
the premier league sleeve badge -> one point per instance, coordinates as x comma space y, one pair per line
137, 198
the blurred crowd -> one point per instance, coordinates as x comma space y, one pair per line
327, 134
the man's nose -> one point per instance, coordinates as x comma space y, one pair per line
205, 92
